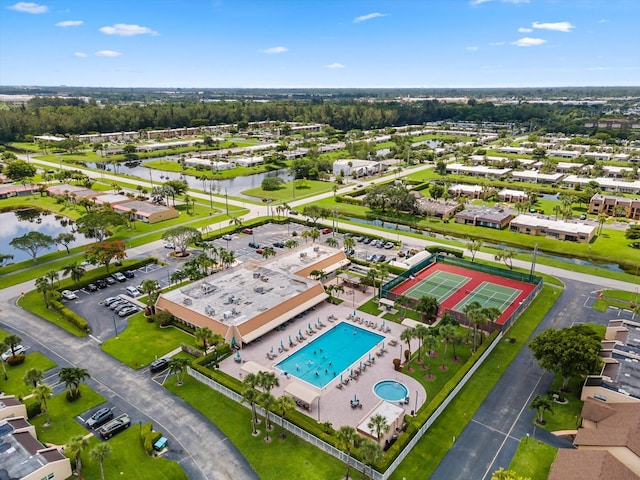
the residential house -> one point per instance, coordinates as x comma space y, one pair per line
615, 206
558, 229
497, 218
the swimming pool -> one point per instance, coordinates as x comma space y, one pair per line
331, 354
391, 390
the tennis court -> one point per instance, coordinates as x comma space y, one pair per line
489, 294
440, 285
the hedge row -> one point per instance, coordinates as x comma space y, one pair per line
70, 316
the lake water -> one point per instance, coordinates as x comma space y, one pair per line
233, 185
16, 224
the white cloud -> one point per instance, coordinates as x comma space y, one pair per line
369, 16
29, 7
603, 20
276, 50
557, 26
107, 53
126, 30
70, 23
480, 2
80, 54
496, 44
472, 48
528, 42
525, 30
334, 65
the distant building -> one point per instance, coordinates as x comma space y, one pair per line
436, 208
497, 218
147, 212
606, 184
23, 457
78, 192
506, 195
469, 191
533, 176
8, 191
611, 205
110, 199
558, 229
11, 407
356, 168
477, 171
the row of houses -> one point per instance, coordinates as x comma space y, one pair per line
142, 211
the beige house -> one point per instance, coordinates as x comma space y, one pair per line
249, 300
24, 457
147, 212
611, 205
560, 230
11, 407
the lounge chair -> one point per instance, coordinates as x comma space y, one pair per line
367, 362
360, 321
339, 386
381, 328
374, 325
345, 381
285, 348
387, 330
292, 344
393, 343
321, 325
378, 354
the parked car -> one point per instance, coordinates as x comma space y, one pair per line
118, 303
18, 350
68, 295
159, 365
119, 277
349, 251
133, 291
91, 287
583, 217
381, 258
227, 237
248, 231
389, 245
367, 241
359, 239
254, 245
110, 280
259, 251
121, 307
114, 426
126, 311
99, 418
129, 273
110, 301
279, 244
101, 283
170, 245
326, 230
293, 212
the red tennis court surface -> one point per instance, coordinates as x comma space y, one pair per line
476, 279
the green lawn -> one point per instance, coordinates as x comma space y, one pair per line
533, 459
288, 458
62, 413
431, 448
14, 385
142, 342
303, 188
171, 166
129, 460
564, 417
34, 303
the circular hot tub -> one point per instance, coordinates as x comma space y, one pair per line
391, 390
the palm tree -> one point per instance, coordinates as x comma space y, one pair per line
370, 453
266, 401
378, 424
205, 336
406, 336
33, 376
332, 242
43, 286
540, 404
447, 333
431, 342
291, 243
314, 234
403, 302
474, 313
268, 252
419, 332
250, 394
42, 393
236, 222
428, 307
100, 453
72, 377
53, 276
474, 246
383, 272
150, 288
267, 381
76, 446
347, 439
75, 271
12, 341
507, 256
178, 366
317, 274
348, 243
284, 405
3, 347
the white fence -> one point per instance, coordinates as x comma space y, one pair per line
335, 452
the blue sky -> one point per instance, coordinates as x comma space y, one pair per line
320, 43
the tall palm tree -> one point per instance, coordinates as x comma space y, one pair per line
12, 341
150, 288
383, 272
476, 316
33, 376
266, 401
75, 271
447, 333
76, 446
314, 234
540, 404
378, 423
72, 378
100, 453
250, 395
284, 405
268, 252
347, 439
43, 286
178, 366
431, 342
420, 332
348, 243
42, 393
317, 274
53, 276
205, 336
332, 242
267, 380
370, 453
406, 336
428, 307
403, 302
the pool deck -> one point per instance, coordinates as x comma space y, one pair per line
334, 405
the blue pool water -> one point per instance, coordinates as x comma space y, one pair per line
391, 390
331, 354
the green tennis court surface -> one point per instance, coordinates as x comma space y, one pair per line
490, 295
439, 285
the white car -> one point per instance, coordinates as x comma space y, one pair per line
18, 349
68, 295
169, 245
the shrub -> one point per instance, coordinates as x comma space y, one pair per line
163, 318
149, 437
16, 360
33, 410
191, 350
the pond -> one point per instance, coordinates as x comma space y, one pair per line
18, 223
233, 186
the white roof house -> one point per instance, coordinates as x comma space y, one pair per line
536, 177
607, 184
478, 170
248, 161
509, 195
205, 162
356, 167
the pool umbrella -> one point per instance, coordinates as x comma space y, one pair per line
352, 371
355, 398
233, 341
309, 325
300, 332
290, 339
369, 355
383, 345
282, 344
318, 322
340, 378
272, 349
383, 323
360, 364
354, 313
238, 355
